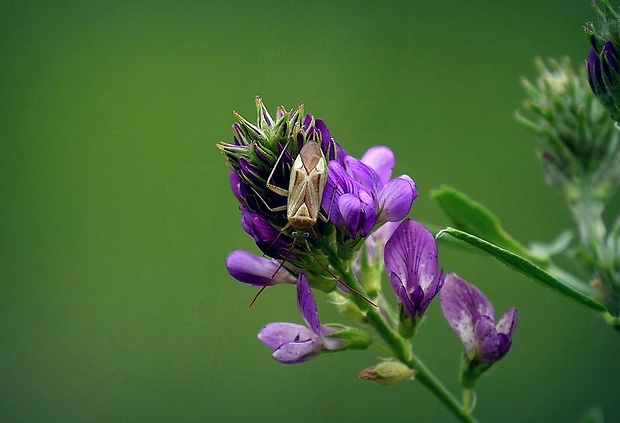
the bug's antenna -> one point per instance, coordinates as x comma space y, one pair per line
268, 281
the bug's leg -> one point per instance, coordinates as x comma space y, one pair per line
356, 292
271, 209
280, 191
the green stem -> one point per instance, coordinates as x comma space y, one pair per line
426, 378
467, 400
401, 350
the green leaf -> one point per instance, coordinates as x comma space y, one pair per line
472, 217
582, 294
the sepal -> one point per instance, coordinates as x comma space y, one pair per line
471, 371
353, 338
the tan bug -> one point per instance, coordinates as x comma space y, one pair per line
303, 202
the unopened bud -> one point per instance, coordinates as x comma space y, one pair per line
387, 373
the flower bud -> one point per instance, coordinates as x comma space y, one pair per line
603, 65
387, 373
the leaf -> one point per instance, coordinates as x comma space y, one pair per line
528, 268
472, 217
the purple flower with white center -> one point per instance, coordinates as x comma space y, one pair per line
412, 264
254, 270
472, 317
359, 194
295, 343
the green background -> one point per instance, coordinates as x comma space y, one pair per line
116, 215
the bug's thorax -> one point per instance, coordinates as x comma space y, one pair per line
306, 185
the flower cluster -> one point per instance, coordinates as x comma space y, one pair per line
358, 197
360, 194
355, 230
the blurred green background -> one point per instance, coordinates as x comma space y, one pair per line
116, 215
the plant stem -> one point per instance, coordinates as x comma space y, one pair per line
426, 378
401, 350
587, 209
467, 399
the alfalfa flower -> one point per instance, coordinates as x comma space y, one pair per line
293, 343
360, 196
412, 264
472, 317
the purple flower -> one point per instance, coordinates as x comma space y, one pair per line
254, 270
270, 240
472, 317
360, 195
295, 343
412, 264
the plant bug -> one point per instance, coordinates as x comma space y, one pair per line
303, 202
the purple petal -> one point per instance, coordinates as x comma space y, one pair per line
411, 253
467, 297
235, 183
486, 339
327, 142
307, 121
358, 216
456, 313
362, 174
266, 117
471, 315
431, 291
508, 323
381, 159
504, 345
246, 220
275, 334
237, 134
307, 304
254, 270
398, 286
267, 238
338, 182
610, 54
396, 198
595, 75
297, 352
335, 152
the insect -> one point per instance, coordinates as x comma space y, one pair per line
303, 202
